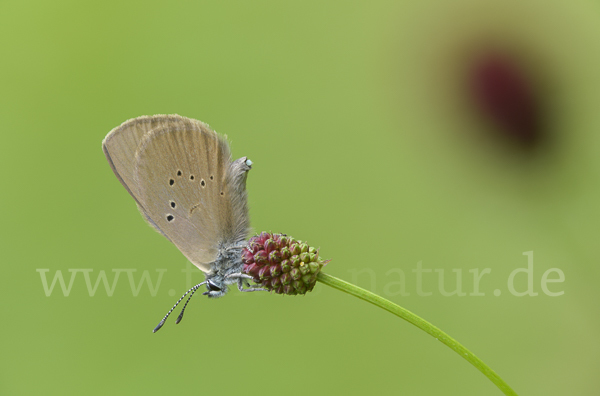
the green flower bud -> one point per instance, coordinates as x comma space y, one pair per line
282, 264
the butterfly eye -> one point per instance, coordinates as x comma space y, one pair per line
211, 286
248, 162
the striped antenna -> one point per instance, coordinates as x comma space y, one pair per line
192, 290
184, 305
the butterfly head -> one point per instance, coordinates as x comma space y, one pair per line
215, 287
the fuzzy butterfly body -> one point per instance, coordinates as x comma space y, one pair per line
181, 175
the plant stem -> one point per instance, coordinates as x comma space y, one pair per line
421, 324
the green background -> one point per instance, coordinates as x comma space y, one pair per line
364, 145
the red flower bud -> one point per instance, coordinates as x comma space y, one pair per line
280, 263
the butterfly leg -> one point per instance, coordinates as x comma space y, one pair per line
243, 279
239, 275
252, 289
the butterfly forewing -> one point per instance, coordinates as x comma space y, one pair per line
121, 144
179, 172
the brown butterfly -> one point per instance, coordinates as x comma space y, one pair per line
182, 178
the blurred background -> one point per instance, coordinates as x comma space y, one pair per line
458, 135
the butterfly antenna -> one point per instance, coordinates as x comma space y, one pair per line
192, 290
184, 305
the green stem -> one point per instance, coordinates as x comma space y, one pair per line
421, 324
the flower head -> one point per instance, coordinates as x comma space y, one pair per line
282, 264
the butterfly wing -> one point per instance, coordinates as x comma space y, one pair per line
181, 175
120, 147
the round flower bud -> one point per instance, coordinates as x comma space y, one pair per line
282, 264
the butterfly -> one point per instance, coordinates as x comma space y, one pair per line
182, 178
